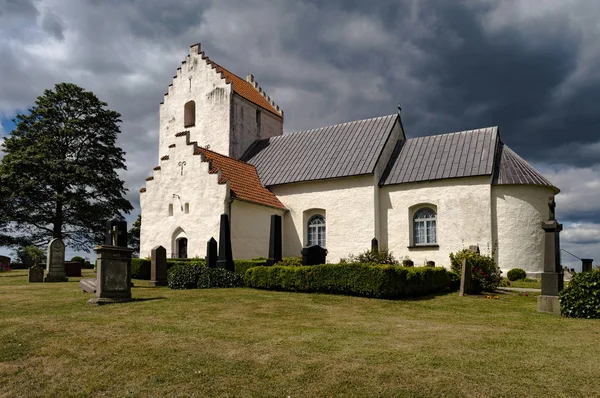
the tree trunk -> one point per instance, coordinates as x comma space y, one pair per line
58, 220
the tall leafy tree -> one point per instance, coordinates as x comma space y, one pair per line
58, 178
134, 234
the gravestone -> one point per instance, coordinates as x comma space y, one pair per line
586, 264
466, 278
55, 261
113, 277
275, 243
72, 268
116, 233
225, 255
374, 245
36, 274
158, 267
431, 263
88, 285
211, 253
313, 255
5, 260
553, 275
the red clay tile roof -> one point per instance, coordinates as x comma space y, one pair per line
245, 89
242, 177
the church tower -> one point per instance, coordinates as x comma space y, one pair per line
220, 110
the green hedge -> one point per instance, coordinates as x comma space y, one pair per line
370, 280
195, 276
581, 297
140, 267
515, 274
242, 265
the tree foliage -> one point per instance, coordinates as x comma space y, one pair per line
134, 234
59, 178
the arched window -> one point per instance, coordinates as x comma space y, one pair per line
424, 227
316, 230
189, 114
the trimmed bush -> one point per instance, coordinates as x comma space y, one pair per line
194, 276
18, 266
516, 274
242, 265
369, 280
140, 267
485, 273
581, 297
372, 257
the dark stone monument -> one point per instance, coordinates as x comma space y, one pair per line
55, 262
116, 233
466, 278
552, 277
72, 268
158, 267
225, 255
375, 245
431, 263
313, 255
36, 274
113, 278
275, 241
586, 264
5, 260
211, 253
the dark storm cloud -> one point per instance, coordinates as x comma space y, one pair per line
18, 8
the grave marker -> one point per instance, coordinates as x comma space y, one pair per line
55, 261
225, 255
36, 274
314, 255
275, 244
211, 253
158, 267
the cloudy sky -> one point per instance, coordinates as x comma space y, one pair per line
530, 67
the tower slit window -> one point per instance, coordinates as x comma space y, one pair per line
189, 114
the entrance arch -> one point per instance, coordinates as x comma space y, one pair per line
179, 244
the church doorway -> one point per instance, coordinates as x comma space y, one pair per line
182, 247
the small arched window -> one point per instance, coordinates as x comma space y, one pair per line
189, 114
424, 227
316, 230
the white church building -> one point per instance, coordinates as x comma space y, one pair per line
222, 150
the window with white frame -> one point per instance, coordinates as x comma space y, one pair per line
425, 227
316, 230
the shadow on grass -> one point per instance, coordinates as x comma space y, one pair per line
140, 299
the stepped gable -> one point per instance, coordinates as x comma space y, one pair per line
461, 154
343, 150
249, 90
242, 177
511, 169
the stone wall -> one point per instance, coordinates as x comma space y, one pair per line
518, 236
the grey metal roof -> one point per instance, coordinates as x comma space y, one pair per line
513, 169
462, 154
336, 151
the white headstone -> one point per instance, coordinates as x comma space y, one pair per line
55, 261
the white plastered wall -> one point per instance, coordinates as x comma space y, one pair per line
348, 204
250, 229
517, 226
206, 197
463, 217
197, 81
244, 127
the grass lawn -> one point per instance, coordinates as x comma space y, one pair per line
527, 284
245, 342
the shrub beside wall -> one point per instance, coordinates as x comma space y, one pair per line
196, 276
484, 272
516, 274
370, 280
581, 297
140, 267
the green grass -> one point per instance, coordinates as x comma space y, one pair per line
527, 284
245, 342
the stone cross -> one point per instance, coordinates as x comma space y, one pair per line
55, 261
553, 275
116, 233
